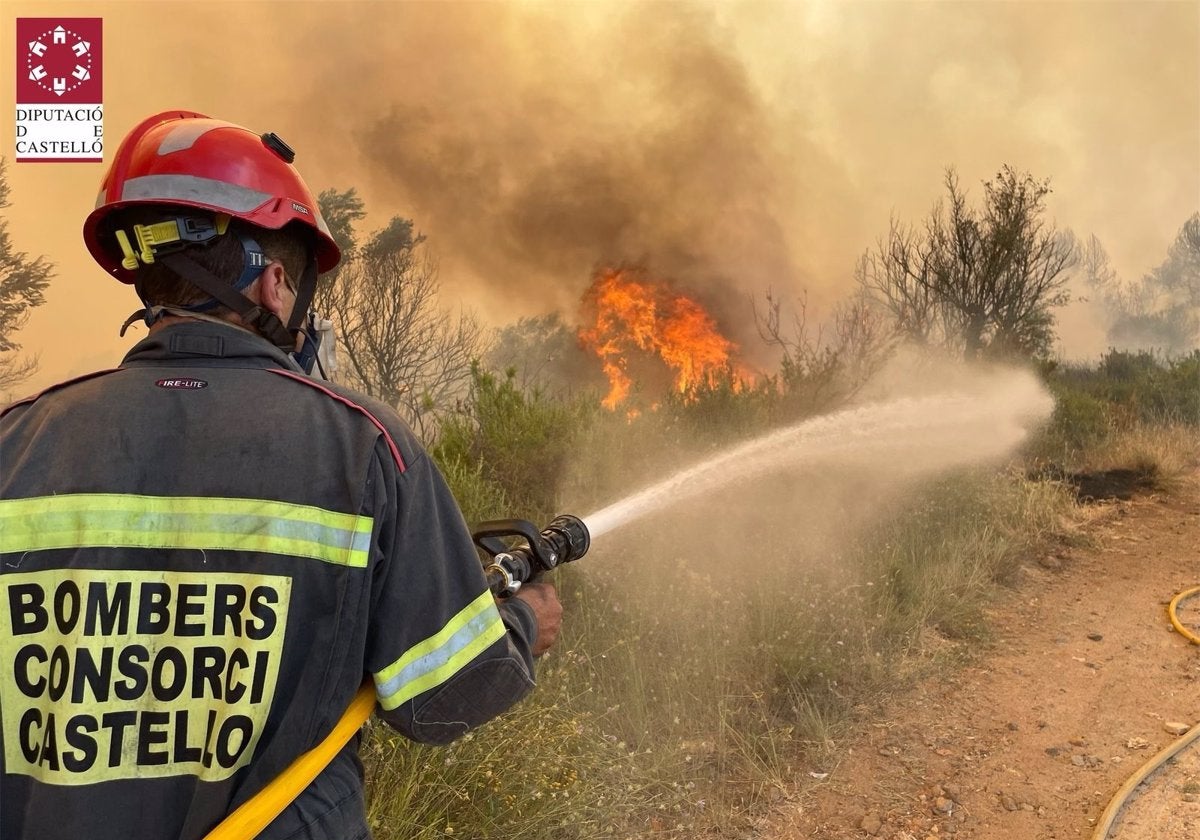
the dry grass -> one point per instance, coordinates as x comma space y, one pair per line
713, 656
682, 700
1162, 456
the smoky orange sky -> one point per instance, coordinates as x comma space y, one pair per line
730, 146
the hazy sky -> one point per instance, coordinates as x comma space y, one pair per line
731, 146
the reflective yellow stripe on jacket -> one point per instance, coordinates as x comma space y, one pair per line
109, 520
431, 662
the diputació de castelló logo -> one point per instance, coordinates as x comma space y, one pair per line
60, 90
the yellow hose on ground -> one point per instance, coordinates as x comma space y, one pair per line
1174, 616
256, 813
1118, 802
1163, 756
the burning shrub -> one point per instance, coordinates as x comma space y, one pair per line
645, 331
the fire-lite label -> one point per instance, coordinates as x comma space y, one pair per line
60, 91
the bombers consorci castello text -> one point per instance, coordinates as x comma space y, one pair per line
110, 670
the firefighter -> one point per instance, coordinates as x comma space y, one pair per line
204, 552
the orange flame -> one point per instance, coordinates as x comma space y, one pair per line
636, 316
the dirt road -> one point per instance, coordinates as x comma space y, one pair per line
1073, 695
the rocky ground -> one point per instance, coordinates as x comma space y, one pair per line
1083, 682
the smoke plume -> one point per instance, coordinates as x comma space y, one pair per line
729, 147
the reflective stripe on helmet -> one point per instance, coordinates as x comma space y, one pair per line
192, 188
321, 226
183, 135
186, 159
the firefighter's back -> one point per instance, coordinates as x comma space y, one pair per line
185, 589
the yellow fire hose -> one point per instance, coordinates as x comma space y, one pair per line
1172, 611
564, 540
1163, 756
256, 813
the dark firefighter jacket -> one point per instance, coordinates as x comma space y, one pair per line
203, 554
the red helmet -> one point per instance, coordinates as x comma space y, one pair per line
185, 159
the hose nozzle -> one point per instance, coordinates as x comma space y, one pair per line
564, 540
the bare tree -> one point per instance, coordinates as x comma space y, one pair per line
984, 281
897, 271
23, 282
1098, 272
1173, 287
1161, 311
819, 371
394, 341
1181, 269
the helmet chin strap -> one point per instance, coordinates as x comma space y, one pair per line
151, 313
264, 321
304, 296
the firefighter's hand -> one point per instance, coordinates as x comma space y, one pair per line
543, 600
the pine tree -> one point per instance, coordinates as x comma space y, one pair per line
23, 282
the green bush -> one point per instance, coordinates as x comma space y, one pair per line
1143, 386
1125, 393
479, 497
518, 441
1177, 395
1080, 422
723, 408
